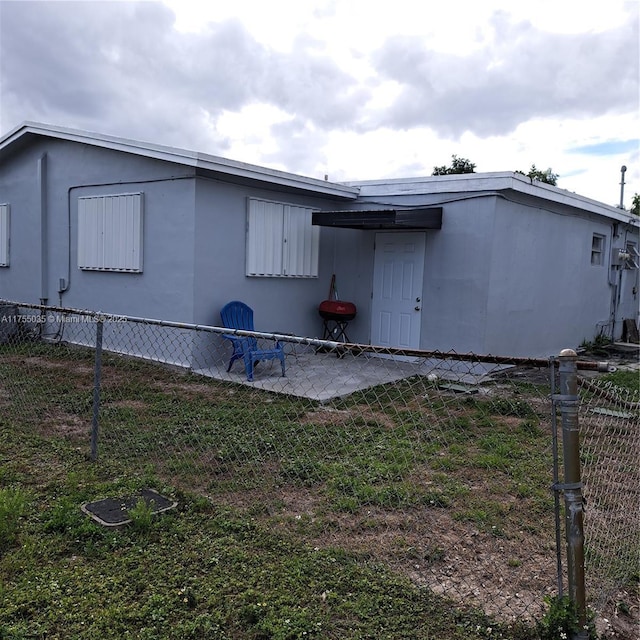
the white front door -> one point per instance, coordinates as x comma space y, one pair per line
397, 290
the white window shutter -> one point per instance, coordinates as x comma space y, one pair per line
281, 241
110, 233
264, 239
301, 243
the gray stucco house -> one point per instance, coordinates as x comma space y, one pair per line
485, 263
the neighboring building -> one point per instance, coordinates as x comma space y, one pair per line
484, 263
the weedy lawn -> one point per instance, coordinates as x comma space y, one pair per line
294, 519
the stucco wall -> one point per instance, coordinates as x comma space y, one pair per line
456, 278
503, 276
194, 240
544, 294
18, 188
353, 265
285, 305
456, 273
162, 290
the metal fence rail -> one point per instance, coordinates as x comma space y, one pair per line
436, 464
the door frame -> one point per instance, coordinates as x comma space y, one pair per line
420, 238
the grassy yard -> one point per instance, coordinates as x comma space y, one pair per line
399, 512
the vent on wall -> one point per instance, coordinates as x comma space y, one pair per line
110, 233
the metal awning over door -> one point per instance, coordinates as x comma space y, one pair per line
382, 219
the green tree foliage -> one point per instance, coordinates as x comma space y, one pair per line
458, 165
547, 176
635, 205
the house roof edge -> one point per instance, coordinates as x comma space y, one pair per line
180, 156
491, 182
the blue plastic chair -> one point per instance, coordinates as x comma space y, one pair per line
238, 315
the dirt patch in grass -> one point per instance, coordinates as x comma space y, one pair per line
330, 416
506, 576
506, 573
74, 367
499, 575
67, 426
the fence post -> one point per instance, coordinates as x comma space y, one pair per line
556, 476
97, 371
572, 486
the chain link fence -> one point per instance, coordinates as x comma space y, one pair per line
610, 453
438, 465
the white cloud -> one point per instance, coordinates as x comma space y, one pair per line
356, 89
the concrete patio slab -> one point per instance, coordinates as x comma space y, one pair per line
325, 376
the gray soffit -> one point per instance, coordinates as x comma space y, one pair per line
423, 218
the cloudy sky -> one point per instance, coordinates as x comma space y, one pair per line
356, 89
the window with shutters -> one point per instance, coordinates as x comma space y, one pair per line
110, 234
281, 241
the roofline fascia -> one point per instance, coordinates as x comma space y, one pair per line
492, 182
184, 157
236, 168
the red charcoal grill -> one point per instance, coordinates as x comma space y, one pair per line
336, 315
